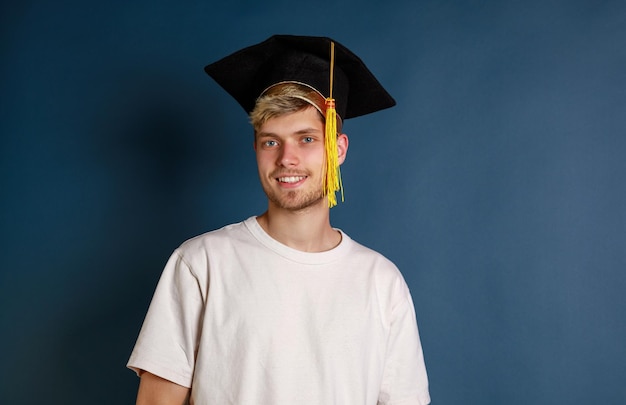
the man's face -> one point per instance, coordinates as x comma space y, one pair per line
290, 159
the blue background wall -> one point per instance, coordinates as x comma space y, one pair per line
496, 184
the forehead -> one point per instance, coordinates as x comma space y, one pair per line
308, 120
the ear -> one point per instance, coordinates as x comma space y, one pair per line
342, 147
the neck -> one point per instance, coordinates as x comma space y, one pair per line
307, 230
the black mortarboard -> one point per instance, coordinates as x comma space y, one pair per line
247, 73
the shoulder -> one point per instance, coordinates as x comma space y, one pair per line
228, 234
361, 253
198, 251
384, 271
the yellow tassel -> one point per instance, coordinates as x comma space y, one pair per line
332, 178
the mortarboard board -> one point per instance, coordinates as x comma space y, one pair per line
321, 63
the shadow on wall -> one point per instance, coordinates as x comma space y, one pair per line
148, 164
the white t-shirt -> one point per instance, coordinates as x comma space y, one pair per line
243, 319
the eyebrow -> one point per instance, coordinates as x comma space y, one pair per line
303, 131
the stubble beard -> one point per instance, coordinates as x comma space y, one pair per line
294, 200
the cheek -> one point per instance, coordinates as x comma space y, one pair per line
265, 158
317, 155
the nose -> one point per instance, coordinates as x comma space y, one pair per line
288, 156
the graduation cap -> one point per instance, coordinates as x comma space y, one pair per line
343, 86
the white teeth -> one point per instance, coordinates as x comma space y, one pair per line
291, 179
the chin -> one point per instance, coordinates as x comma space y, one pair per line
294, 202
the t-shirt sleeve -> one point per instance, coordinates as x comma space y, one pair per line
168, 340
405, 381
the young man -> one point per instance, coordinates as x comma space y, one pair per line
283, 308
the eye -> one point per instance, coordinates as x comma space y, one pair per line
269, 143
308, 139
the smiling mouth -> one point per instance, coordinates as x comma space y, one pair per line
290, 179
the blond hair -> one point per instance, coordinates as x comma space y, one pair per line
282, 99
